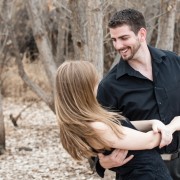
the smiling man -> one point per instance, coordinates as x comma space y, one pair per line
145, 84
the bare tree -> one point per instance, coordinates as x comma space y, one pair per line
41, 38
95, 34
166, 24
78, 25
177, 30
44, 47
2, 128
63, 31
87, 31
178, 36
43, 44
3, 40
151, 13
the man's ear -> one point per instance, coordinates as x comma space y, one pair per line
142, 34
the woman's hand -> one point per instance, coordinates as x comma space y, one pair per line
166, 132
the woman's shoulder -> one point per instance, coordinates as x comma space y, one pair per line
99, 126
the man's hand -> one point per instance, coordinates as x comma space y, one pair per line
115, 159
166, 133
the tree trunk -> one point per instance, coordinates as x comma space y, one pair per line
63, 32
177, 34
178, 29
176, 38
78, 28
47, 98
87, 31
151, 12
41, 38
5, 14
2, 128
166, 24
95, 34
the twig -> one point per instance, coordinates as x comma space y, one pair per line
14, 119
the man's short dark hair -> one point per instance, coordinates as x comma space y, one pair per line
131, 17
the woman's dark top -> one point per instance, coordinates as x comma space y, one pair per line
145, 165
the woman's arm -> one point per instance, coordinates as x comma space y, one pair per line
156, 126
145, 125
132, 139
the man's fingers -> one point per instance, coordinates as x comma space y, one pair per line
155, 128
121, 157
125, 152
127, 159
115, 159
117, 153
100, 155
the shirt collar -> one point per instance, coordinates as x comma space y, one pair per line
124, 68
156, 54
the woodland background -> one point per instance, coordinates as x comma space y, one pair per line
36, 36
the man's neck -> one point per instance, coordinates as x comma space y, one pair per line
142, 63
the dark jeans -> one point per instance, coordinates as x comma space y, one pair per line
174, 168
174, 165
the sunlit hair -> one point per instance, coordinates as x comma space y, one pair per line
131, 17
76, 106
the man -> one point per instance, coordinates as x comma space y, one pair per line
145, 84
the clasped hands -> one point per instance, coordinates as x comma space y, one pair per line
119, 157
166, 133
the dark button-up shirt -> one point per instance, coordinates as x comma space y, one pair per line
137, 97
128, 91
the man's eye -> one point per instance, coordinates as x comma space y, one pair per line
125, 38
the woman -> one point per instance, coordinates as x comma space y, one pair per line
87, 129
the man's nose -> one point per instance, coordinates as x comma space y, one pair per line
118, 45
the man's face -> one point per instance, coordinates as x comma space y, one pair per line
125, 41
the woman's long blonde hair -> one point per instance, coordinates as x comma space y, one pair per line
76, 106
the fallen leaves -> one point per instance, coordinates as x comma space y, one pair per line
33, 149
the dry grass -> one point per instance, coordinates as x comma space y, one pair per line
13, 85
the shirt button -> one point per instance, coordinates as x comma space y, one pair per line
159, 103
